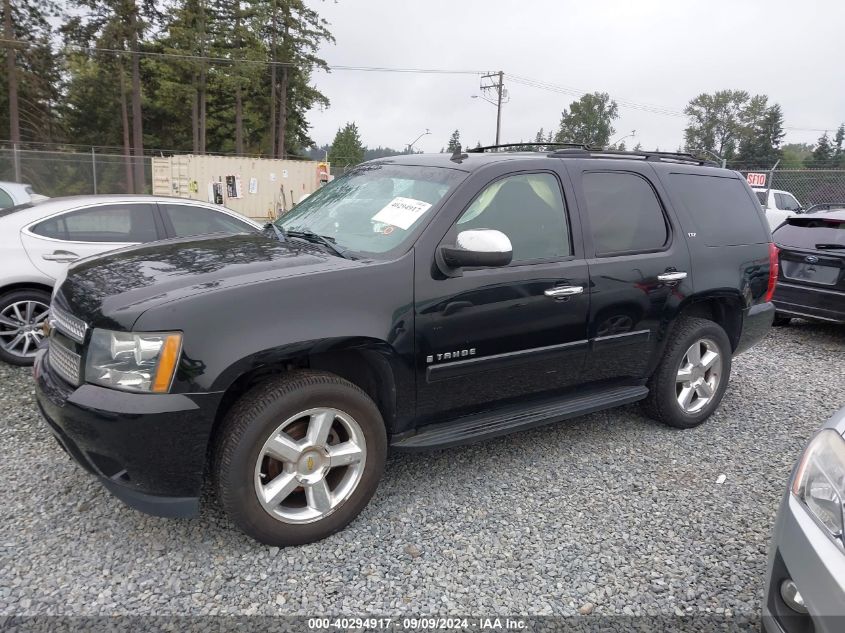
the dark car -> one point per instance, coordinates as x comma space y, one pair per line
415, 302
812, 268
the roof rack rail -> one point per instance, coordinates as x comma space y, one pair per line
582, 150
480, 150
677, 157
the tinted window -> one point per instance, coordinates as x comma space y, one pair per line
721, 209
529, 209
805, 233
188, 220
625, 214
761, 196
106, 223
5, 200
786, 202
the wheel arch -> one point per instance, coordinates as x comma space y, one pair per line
371, 364
25, 285
723, 308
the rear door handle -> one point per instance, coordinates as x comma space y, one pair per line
673, 276
60, 256
564, 291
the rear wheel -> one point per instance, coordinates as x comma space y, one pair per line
693, 374
299, 457
22, 317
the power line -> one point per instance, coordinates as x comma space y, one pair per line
259, 62
645, 107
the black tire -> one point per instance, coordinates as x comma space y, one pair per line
662, 401
27, 294
781, 320
250, 423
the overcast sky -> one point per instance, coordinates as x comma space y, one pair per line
659, 53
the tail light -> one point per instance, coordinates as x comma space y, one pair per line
773, 272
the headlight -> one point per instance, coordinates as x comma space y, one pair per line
820, 481
133, 362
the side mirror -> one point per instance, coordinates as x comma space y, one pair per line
478, 247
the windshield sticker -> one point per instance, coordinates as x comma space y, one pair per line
402, 212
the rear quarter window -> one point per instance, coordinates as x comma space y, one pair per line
721, 209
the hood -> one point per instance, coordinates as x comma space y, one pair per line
113, 289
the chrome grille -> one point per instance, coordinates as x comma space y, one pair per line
66, 363
75, 328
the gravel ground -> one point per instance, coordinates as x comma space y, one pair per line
610, 509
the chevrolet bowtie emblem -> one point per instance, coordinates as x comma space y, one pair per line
309, 464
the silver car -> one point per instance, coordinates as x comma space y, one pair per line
805, 585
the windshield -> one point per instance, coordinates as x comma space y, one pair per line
374, 208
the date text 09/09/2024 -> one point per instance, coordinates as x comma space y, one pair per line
424, 623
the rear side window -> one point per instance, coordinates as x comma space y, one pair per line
105, 223
721, 210
5, 200
761, 196
806, 234
188, 220
625, 214
786, 202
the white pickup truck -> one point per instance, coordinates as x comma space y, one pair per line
779, 206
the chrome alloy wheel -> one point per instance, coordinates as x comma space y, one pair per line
21, 327
698, 376
310, 465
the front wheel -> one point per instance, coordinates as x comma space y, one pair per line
299, 457
693, 374
22, 317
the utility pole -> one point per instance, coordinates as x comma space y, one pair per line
496, 81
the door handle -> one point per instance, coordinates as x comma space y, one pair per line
60, 256
672, 276
564, 291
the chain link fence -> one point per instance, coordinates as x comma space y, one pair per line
809, 186
63, 173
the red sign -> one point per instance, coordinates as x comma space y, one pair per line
756, 180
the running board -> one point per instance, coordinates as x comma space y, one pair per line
491, 423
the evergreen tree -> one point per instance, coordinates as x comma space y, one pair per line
822, 153
454, 144
540, 138
30, 86
760, 144
347, 149
589, 120
838, 140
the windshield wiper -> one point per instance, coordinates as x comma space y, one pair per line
279, 231
829, 246
326, 241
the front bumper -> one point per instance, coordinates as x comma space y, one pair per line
801, 551
756, 323
149, 450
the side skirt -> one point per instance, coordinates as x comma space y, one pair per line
495, 422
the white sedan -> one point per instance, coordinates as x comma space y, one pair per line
12, 193
39, 241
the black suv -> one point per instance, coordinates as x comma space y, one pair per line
416, 302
